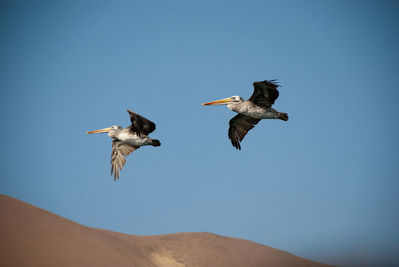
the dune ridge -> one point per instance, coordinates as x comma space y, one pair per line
31, 236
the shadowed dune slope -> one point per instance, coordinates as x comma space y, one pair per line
31, 236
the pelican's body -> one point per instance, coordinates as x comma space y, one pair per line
127, 140
251, 111
126, 136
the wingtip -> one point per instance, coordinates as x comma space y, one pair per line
235, 144
272, 81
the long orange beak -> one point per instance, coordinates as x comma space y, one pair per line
224, 101
105, 130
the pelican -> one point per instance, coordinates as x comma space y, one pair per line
251, 111
127, 140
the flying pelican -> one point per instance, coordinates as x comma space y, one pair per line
127, 140
251, 111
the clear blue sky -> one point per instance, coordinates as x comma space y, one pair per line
323, 185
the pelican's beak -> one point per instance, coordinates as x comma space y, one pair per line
105, 130
224, 101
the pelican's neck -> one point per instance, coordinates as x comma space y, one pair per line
112, 134
120, 134
236, 106
115, 133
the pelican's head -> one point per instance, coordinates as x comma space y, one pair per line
112, 129
225, 101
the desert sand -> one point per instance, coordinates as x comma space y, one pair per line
31, 236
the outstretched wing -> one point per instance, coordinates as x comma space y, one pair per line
119, 152
265, 93
140, 125
239, 127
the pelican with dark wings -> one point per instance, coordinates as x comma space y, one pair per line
127, 140
251, 111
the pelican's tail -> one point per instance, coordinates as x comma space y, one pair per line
155, 142
283, 116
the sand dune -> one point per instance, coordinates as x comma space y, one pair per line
31, 236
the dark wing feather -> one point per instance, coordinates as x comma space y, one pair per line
140, 125
119, 152
239, 127
265, 93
